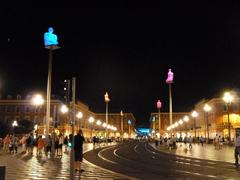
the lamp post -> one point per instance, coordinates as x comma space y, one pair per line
38, 101
79, 115
51, 43
129, 128
169, 81
186, 119
195, 115
14, 124
207, 108
228, 98
107, 100
159, 105
121, 114
91, 120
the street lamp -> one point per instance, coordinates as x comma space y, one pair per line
121, 114
169, 81
159, 105
186, 119
91, 120
79, 115
207, 108
129, 128
228, 98
107, 100
38, 101
14, 124
195, 115
64, 109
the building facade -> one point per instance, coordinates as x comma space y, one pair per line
23, 109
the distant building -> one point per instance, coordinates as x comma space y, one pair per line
216, 120
23, 109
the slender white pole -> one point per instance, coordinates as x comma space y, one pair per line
49, 92
170, 105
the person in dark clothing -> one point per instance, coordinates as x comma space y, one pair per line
78, 150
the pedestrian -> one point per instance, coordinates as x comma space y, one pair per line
237, 149
40, 146
78, 150
190, 142
60, 144
201, 140
94, 140
48, 145
65, 143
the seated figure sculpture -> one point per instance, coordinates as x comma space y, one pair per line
50, 39
170, 77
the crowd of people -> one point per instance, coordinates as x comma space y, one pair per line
10, 144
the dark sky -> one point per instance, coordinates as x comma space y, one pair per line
126, 52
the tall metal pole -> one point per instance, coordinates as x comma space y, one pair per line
159, 122
170, 104
195, 131
72, 125
207, 128
121, 113
229, 131
106, 118
49, 92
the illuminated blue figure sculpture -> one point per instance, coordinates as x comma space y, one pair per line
50, 39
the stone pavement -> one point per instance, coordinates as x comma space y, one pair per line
207, 151
24, 167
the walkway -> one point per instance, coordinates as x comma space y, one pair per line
24, 166
207, 151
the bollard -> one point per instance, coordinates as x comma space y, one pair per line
2, 172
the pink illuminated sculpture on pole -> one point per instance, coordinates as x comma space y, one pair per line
159, 105
169, 81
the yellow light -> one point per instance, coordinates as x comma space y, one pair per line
194, 114
37, 100
186, 118
79, 115
180, 121
64, 109
207, 108
91, 119
227, 97
98, 122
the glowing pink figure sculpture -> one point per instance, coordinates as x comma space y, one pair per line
169, 79
159, 104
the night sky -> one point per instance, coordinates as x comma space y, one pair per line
126, 52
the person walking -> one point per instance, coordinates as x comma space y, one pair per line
60, 145
237, 149
78, 150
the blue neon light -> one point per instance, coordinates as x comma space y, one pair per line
50, 39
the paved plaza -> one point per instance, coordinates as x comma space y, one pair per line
24, 167
207, 151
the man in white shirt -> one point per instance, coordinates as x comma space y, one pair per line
237, 149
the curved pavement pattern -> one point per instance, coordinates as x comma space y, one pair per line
141, 161
27, 167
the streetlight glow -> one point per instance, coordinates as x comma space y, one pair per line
15, 123
79, 115
207, 108
227, 98
91, 119
186, 118
194, 114
38, 100
64, 109
98, 122
180, 121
